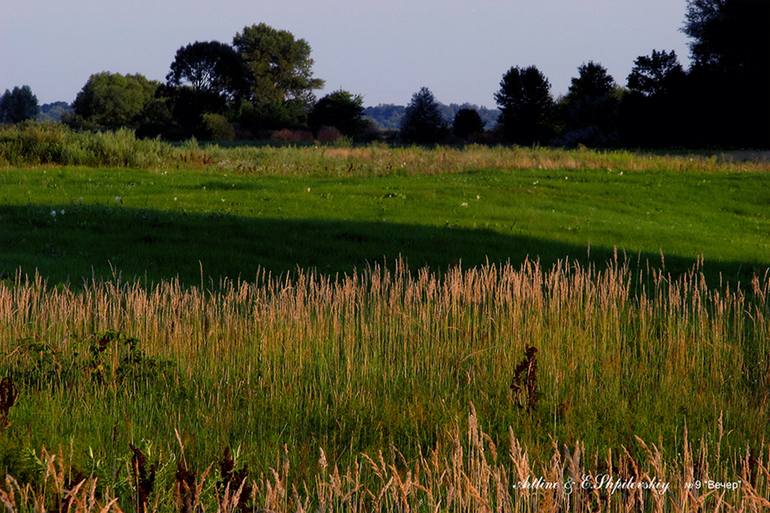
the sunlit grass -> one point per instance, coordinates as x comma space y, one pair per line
382, 359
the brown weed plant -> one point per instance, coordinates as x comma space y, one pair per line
143, 478
188, 486
524, 385
234, 485
8, 395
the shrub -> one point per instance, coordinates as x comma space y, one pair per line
48, 143
109, 358
329, 135
217, 128
112, 100
287, 136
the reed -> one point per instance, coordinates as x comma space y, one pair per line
34, 144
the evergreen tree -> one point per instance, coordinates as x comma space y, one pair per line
422, 122
18, 105
526, 106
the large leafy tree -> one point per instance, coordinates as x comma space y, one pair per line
652, 111
18, 105
341, 110
526, 106
656, 75
112, 100
730, 34
730, 76
422, 122
209, 67
279, 65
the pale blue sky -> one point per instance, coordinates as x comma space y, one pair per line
384, 50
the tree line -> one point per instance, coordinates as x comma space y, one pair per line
263, 82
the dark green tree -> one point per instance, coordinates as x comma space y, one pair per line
210, 67
526, 106
280, 75
341, 110
590, 108
157, 119
593, 81
18, 105
467, 124
111, 100
730, 34
187, 108
422, 122
656, 75
729, 82
652, 111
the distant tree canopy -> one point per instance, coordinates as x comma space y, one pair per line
210, 67
54, 112
386, 115
17, 105
422, 122
264, 82
590, 107
731, 61
526, 106
341, 110
389, 116
488, 116
467, 124
112, 100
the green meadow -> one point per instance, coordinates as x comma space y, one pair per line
312, 325
74, 223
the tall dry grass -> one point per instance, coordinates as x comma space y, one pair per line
389, 358
472, 474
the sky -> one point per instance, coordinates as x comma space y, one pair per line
383, 50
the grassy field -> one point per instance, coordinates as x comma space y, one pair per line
72, 223
163, 328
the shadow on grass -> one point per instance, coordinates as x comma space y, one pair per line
152, 245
